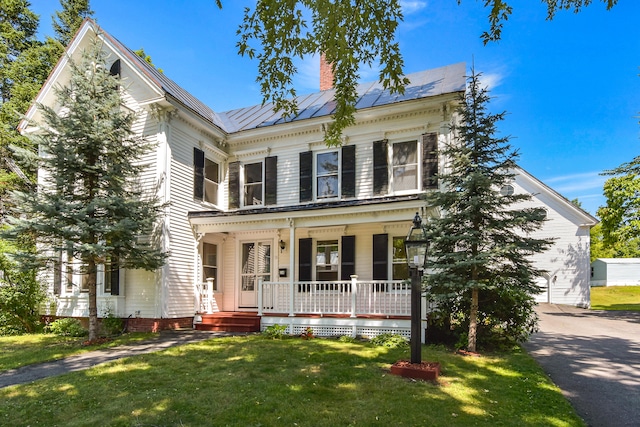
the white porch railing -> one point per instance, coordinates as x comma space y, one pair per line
205, 298
352, 297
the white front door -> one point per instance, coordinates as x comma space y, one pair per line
256, 264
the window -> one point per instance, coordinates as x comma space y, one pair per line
405, 166
327, 170
400, 268
253, 184
210, 263
69, 272
507, 190
211, 181
327, 260
206, 177
112, 277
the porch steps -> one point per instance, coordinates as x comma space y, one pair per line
229, 321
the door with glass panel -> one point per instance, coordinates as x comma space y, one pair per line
256, 265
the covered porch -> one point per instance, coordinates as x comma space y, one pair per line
334, 268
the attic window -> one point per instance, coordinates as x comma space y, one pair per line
507, 190
115, 69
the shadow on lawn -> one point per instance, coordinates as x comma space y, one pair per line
252, 381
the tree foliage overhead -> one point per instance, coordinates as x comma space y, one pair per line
351, 34
66, 22
480, 248
91, 204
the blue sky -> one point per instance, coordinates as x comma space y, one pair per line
570, 86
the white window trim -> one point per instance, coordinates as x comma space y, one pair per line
315, 176
241, 183
204, 181
418, 169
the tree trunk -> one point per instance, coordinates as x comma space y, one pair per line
473, 320
93, 305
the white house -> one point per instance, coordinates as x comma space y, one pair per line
265, 219
615, 272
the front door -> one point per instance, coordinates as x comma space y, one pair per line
256, 264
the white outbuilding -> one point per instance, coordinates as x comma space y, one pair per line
615, 272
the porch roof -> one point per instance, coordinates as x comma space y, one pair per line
343, 212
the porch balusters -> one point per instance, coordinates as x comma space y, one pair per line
352, 298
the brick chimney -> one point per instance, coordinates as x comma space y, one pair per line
326, 75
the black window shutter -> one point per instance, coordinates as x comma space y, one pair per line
348, 257
305, 248
430, 161
234, 185
198, 173
306, 176
115, 278
380, 168
271, 180
348, 171
57, 273
380, 257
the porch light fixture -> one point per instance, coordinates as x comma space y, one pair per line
416, 246
282, 246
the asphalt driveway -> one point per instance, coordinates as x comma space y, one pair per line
594, 357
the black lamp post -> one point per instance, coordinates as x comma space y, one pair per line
416, 246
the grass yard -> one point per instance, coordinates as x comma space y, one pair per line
255, 381
16, 351
615, 298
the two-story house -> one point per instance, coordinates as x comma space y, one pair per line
265, 219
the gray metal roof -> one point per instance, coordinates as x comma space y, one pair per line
438, 81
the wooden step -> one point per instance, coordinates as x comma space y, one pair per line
229, 322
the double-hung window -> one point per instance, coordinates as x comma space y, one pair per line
253, 184
327, 173
206, 178
211, 181
400, 268
210, 263
327, 260
405, 166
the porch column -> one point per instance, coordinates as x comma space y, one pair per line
292, 261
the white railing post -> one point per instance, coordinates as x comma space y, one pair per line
291, 296
209, 295
354, 292
260, 304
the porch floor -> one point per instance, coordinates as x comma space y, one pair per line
229, 321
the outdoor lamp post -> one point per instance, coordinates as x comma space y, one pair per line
416, 246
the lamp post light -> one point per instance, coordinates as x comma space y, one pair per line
416, 246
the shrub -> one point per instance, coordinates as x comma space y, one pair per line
275, 331
111, 324
347, 338
390, 341
66, 327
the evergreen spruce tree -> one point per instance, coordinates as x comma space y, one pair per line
91, 204
67, 21
481, 273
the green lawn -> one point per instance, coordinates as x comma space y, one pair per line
615, 298
16, 351
255, 381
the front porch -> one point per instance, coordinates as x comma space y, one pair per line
358, 308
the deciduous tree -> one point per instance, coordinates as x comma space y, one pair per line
351, 34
